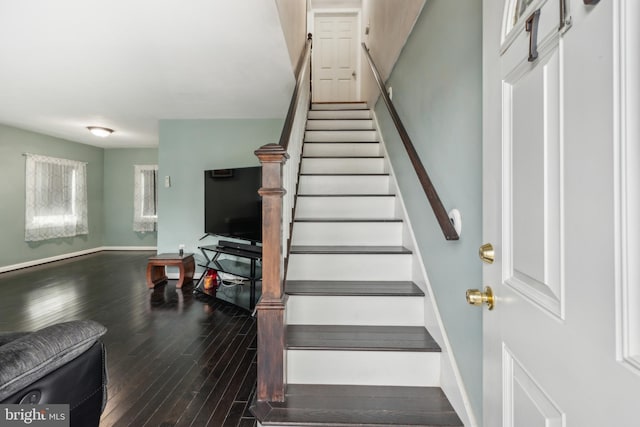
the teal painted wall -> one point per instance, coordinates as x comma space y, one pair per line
189, 147
437, 90
118, 196
13, 143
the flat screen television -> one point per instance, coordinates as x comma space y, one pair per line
232, 205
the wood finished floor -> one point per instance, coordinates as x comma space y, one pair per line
173, 360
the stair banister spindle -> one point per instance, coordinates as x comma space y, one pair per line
280, 166
432, 195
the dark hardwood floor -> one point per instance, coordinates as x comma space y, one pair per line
172, 359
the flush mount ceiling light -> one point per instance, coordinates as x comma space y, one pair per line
100, 131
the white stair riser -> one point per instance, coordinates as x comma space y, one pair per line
344, 184
361, 207
339, 114
339, 124
355, 310
341, 149
340, 135
362, 165
340, 106
385, 368
349, 267
347, 233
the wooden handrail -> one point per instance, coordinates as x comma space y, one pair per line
288, 123
432, 195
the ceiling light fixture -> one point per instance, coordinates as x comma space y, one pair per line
100, 131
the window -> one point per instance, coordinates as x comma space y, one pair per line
522, 7
56, 198
515, 12
145, 198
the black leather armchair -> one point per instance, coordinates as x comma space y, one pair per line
60, 364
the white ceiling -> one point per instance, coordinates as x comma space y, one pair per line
125, 64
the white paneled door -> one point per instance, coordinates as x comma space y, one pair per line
335, 59
553, 342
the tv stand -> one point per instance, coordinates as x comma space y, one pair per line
247, 264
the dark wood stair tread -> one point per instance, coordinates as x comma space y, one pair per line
352, 288
346, 195
341, 156
347, 219
367, 250
312, 119
363, 406
334, 110
340, 130
345, 174
355, 337
342, 142
360, 105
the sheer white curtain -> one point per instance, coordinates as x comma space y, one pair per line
145, 198
56, 198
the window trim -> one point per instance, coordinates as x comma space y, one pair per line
143, 223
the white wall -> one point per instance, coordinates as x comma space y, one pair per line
293, 19
389, 23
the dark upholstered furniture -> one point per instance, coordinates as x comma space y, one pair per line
59, 364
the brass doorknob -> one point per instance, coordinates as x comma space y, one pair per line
486, 253
478, 297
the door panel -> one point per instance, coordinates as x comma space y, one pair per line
551, 208
531, 210
335, 64
532, 177
526, 404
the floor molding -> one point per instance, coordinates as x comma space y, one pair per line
129, 248
33, 263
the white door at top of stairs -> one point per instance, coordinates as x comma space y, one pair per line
335, 57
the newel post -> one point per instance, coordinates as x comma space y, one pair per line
270, 309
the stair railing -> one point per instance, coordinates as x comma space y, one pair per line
432, 195
280, 166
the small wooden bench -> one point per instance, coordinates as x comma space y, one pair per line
156, 272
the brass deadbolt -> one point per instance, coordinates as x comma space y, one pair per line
478, 297
486, 253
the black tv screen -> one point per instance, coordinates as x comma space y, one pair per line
232, 205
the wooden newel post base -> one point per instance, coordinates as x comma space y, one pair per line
271, 342
271, 327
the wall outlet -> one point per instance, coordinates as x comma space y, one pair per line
167, 181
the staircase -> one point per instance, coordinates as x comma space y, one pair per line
357, 349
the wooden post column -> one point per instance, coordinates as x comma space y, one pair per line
270, 309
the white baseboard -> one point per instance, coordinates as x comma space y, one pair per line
129, 248
6, 268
